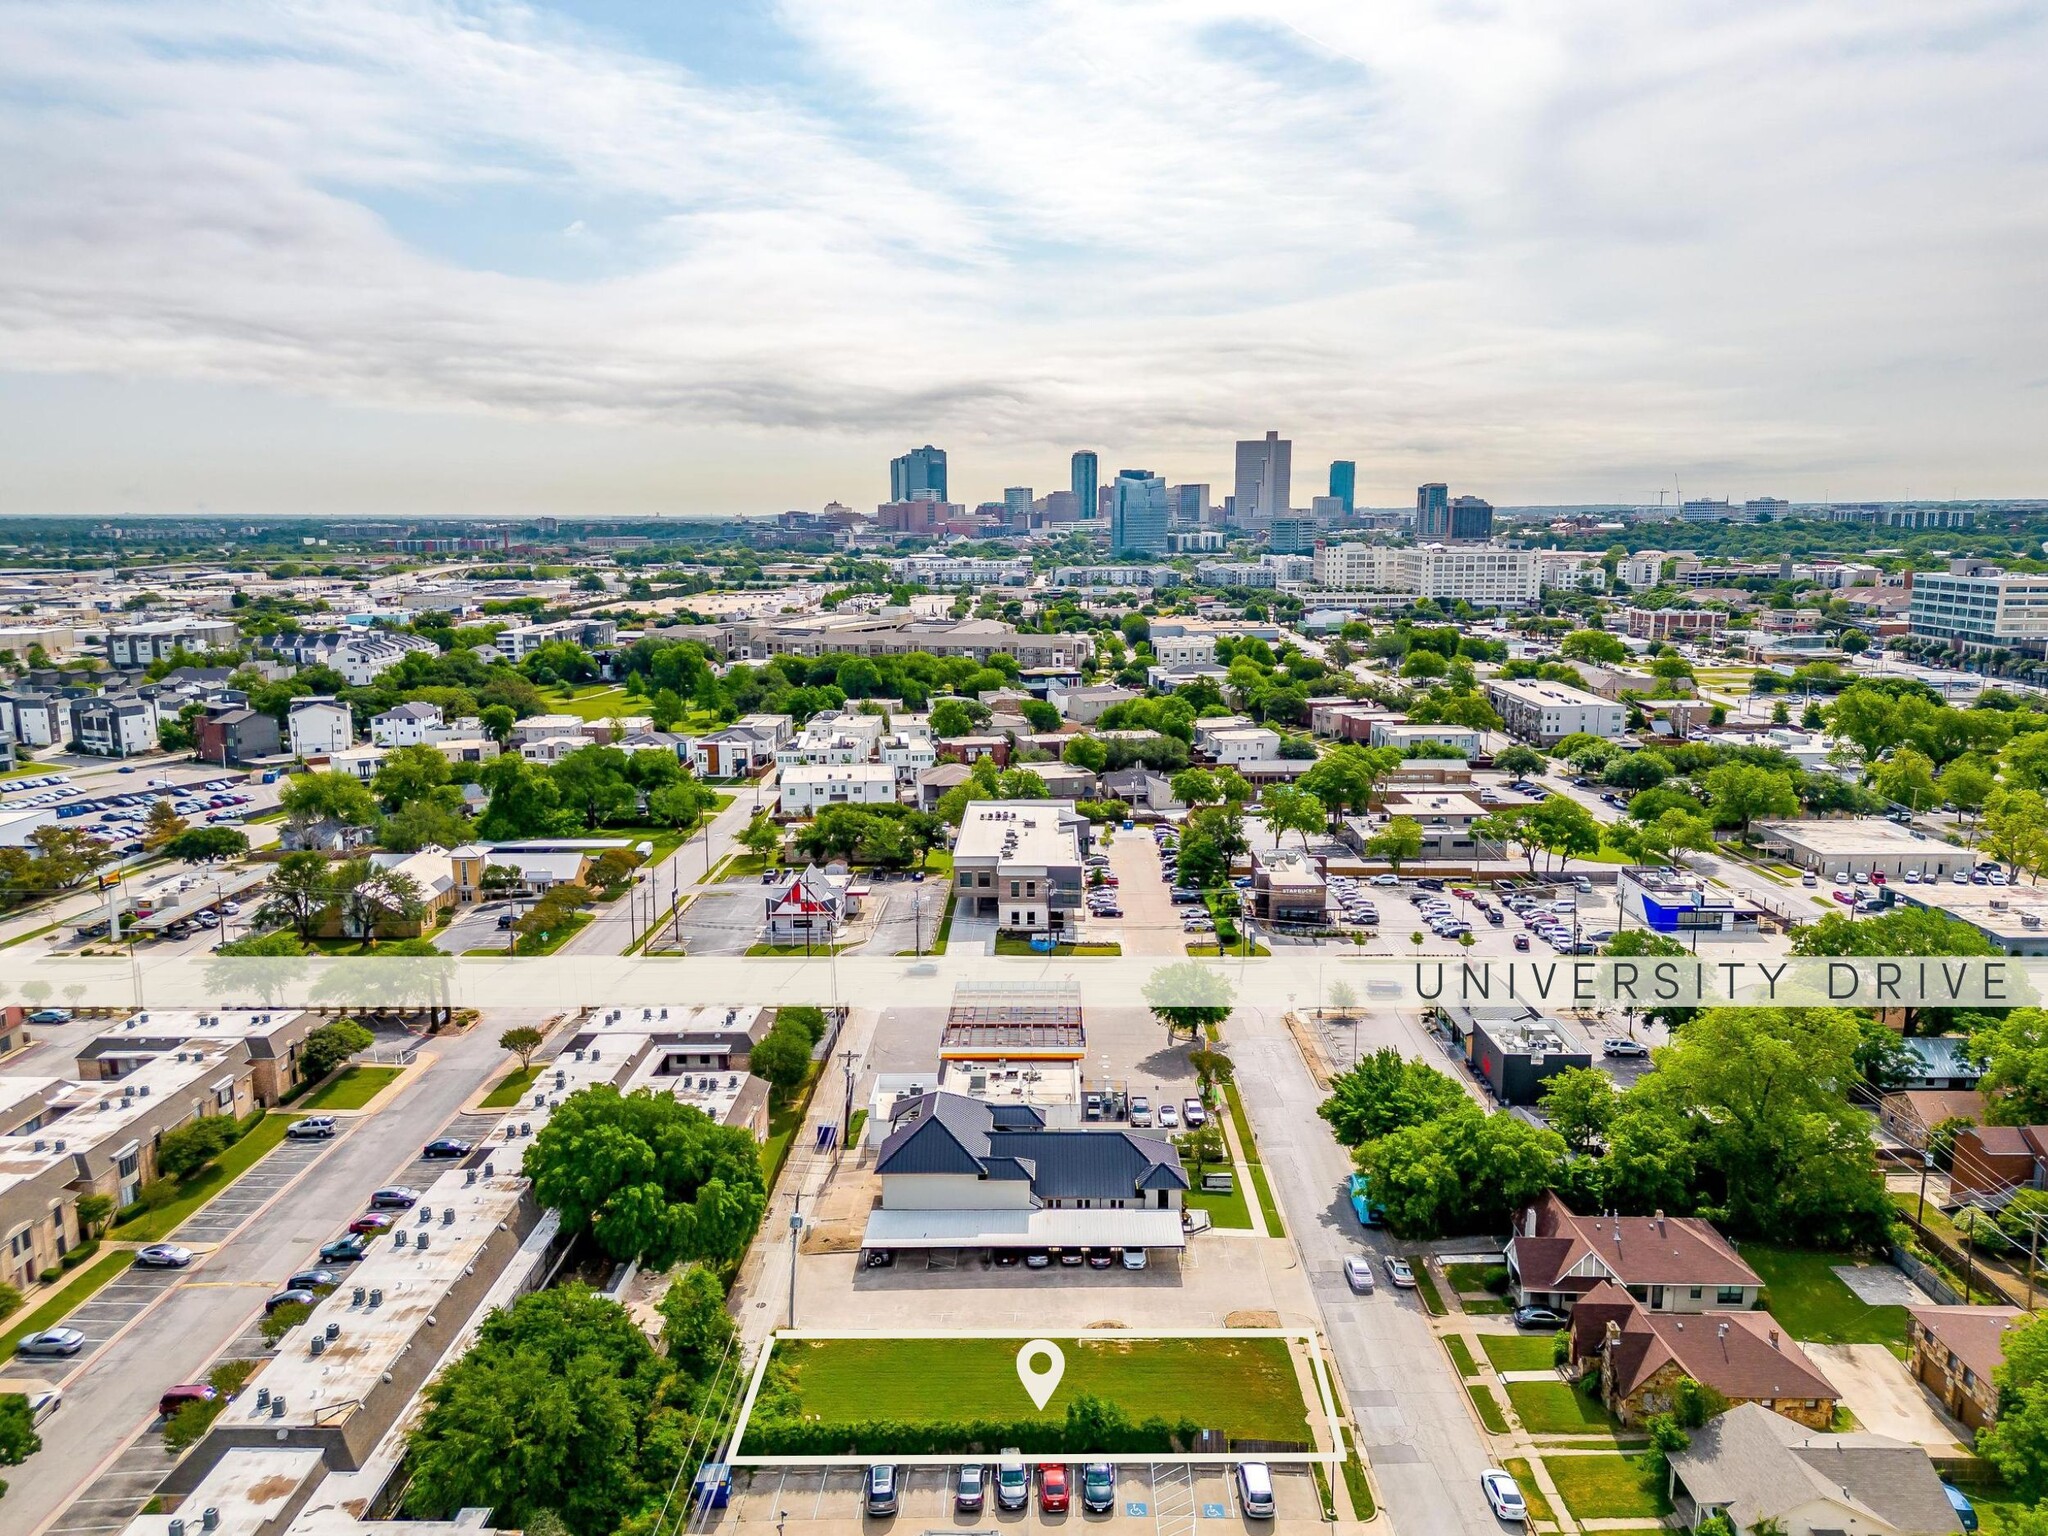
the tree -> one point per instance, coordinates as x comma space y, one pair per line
1385, 1092
682, 803
62, 857
1400, 840
312, 798
1563, 828
1187, 996
592, 781
1739, 793
410, 773
782, 1059
522, 1040
525, 802
1343, 997
1202, 1146
497, 721
438, 820
1908, 779
183, 1152
94, 1211
1594, 645
1085, 752
18, 1437
648, 1176
161, 825
207, 845
1854, 642
696, 1328
1288, 809
1196, 787
330, 1045
1211, 1067
1967, 784
499, 881
2018, 1443
1465, 1171
299, 892
371, 898
762, 837
1580, 1104
1518, 760
1638, 770
2016, 831
550, 1412
2015, 1052
951, 718
1346, 777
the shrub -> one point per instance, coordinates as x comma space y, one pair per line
189, 1148
330, 1045
1496, 1279
811, 1019
281, 1322
10, 1301
75, 1257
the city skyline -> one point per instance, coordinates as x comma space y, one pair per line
513, 259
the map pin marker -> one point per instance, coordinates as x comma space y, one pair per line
1041, 1384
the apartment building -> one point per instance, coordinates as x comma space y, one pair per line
1643, 568
36, 719
837, 738
234, 733
1571, 570
1093, 577
360, 657
1981, 606
962, 571
131, 647
1018, 862
810, 787
115, 725
1483, 575
407, 725
1543, 713
870, 635
1675, 623
523, 640
320, 727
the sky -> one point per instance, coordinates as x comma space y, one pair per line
347, 257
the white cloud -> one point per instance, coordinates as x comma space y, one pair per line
1544, 249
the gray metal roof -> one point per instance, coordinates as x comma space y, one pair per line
950, 1133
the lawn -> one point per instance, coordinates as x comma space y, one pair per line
59, 1306
1244, 1387
155, 1226
534, 944
1016, 944
1608, 1487
1425, 1285
1470, 1277
1461, 1355
1355, 1479
1517, 1351
1248, 1147
1805, 1294
1489, 1408
783, 1121
594, 703
1209, 949
765, 950
1525, 1478
511, 1088
1224, 1210
1554, 1408
352, 1089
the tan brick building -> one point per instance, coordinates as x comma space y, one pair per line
1954, 1350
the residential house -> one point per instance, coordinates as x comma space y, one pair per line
545, 727
809, 789
1668, 1263
115, 725
405, 725
1758, 1467
1084, 704
1993, 1160
1953, 1352
234, 733
1140, 786
1941, 1061
359, 656
1245, 745
909, 751
359, 762
935, 781
1642, 1356
1913, 1114
807, 906
320, 726
552, 749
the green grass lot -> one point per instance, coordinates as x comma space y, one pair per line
1425, 1286
1517, 1351
1488, 1307
534, 944
1525, 1478
1608, 1487
1997, 1513
33, 933
1248, 1146
1488, 1405
766, 950
511, 1088
1245, 1387
1469, 1277
1224, 1210
60, 1306
352, 1088
1018, 944
1461, 1355
1554, 1408
1362, 1504
1804, 1293
783, 1121
1210, 950
194, 1192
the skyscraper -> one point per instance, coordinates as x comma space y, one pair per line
1471, 520
1187, 503
1432, 513
1264, 470
1138, 521
1085, 479
921, 469
1017, 504
1344, 482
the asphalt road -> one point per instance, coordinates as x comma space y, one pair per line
204, 1308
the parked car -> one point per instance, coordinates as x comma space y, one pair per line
1620, 1047
312, 1128
50, 1016
969, 1485
294, 1298
1539, 1317
174, 1398
1013, 1484
1052, 1489
162, 1256
1037, 1258
1098, 1487
882, 1490
1193, 1114
313, 1280
368, 1225
1134, 1258
1101, 1258
394, 1197
1521, 941
51, 1341
1966, 1513
1399, 1272
1255, 1490
1503, 1495
446, 1146
344, 1250
1141, 1111
1358, 1273
1169, 1117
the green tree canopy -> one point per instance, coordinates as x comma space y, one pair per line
1385, 1092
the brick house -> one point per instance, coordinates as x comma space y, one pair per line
1954, 1350
1669, 1264
1991, 1159
1913, 1114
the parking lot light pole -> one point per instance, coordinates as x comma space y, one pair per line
796, 1231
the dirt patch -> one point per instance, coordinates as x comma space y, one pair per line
263, 1490
1252, 1317
1311, 1048
1109, 1322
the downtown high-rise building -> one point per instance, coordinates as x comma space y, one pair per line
1471, 520
1344, 483
1138, 513
921, 469
1086, 477
1432, 513
1188, 504
1264, 471
1017, 504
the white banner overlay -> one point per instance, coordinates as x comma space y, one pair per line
1306, 978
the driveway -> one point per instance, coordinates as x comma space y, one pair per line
1151, 922
1877, 1388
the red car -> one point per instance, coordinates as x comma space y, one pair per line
373, 1221
1877, 877
1052, 1490
177, 1397
1845, 898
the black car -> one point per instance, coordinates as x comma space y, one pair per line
289, 1299
345, 1249
446, 1146
313, 1280
396, 1198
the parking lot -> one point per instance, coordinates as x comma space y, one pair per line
1158, 1497
906, 914
724, 920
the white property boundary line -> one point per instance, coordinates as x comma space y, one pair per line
1306, 1336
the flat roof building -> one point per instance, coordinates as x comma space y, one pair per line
1545, 713
1019, 863
1860, 845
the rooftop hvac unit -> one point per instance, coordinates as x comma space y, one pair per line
356, 1296
277, 1406
142, 1092
319, 1345
376, 1297
209, 1518
57, 1146
423, 1242
333, 1332
447, 1215
398, 1238
490, 1170
426, 1214
262, 1398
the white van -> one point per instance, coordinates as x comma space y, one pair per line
1255, 1490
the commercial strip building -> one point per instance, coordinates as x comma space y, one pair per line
1675, 623
1861, 845
1545, 713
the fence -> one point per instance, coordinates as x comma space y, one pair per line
1925, 1277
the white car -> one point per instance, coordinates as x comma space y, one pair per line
1386, 880
1358, 1274
1169, 1117
1141, 1111
1503, 1495
1193, 1114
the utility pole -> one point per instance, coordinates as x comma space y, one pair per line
846, 1061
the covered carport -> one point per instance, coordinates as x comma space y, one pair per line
948, 1236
